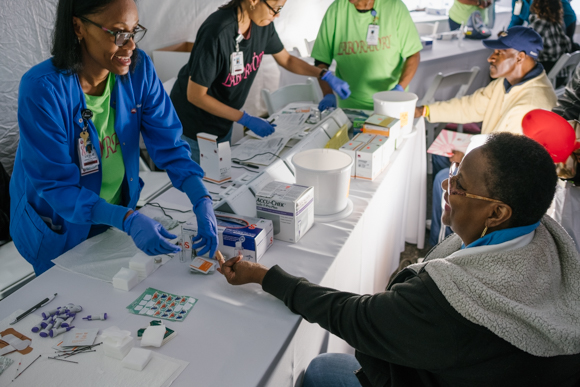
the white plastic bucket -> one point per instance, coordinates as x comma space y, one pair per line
328, 171
397, 104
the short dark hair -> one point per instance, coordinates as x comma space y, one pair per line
66, 50
521, 174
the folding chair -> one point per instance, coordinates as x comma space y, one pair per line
461, 80
565, 65
427, 29
305, 92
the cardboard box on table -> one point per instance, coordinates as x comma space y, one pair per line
251, 237
215, 158
169, 60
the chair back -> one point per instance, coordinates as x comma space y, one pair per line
309, 45
565, 65
461, 79
303, 92
427, 29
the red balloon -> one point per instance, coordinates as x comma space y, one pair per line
552, 131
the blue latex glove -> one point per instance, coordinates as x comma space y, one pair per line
149, 235
398, 88
338, 85
329, 101
206, 227
257, 125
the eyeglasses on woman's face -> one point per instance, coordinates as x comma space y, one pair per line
274, 11
121, 37
454, 188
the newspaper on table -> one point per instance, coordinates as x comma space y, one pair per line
158, 304
288, 124
261, 152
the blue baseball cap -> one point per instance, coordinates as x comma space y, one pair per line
519, 38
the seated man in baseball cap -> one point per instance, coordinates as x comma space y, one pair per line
520, 85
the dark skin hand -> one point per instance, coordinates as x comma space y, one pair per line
239, 272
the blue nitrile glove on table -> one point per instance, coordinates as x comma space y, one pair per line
257, 125
398, 88
149, 235
329, 101
339, 86
206, 227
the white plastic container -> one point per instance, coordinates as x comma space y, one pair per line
397, 104
328, 171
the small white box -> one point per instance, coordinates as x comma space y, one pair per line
387, 145
215, 158
289, 206
427, 43
350, 149
125, 279
368, 161
238, 234
137, 359
142, 264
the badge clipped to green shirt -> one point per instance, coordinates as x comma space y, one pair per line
373, 31
88, 160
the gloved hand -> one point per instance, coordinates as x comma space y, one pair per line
338, 85
329, 101
398, 88
257, 125
206, 226
149, 235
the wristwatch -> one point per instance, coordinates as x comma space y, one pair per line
324, 71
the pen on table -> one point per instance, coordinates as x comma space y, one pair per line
245, 164
272, 120
26, 368
34, 308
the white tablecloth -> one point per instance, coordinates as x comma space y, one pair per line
241, 336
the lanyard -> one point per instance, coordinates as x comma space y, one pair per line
239, 38
375, 16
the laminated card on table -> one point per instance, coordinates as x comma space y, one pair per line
159, 304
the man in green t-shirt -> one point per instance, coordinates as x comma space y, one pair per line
461, 10
376, 47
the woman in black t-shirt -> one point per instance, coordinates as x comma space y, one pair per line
210, 89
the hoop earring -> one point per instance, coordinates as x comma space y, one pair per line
484, 231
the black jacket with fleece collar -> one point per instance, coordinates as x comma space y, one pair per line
410, 335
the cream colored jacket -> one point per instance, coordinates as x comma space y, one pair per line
499, 111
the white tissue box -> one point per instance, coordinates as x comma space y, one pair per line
143, 265
125, 279
118, 351
137, 359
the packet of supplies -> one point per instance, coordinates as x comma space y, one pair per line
202, 265
169, 333
158, 304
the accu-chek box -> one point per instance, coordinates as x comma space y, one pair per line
289, 206
237, 234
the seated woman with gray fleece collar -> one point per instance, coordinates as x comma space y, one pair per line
495, 304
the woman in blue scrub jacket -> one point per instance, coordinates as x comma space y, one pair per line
98, 89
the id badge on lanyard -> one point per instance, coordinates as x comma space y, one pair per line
88, 159
237, 58
518, 7
373, 31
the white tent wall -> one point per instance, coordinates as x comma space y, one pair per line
26, 30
